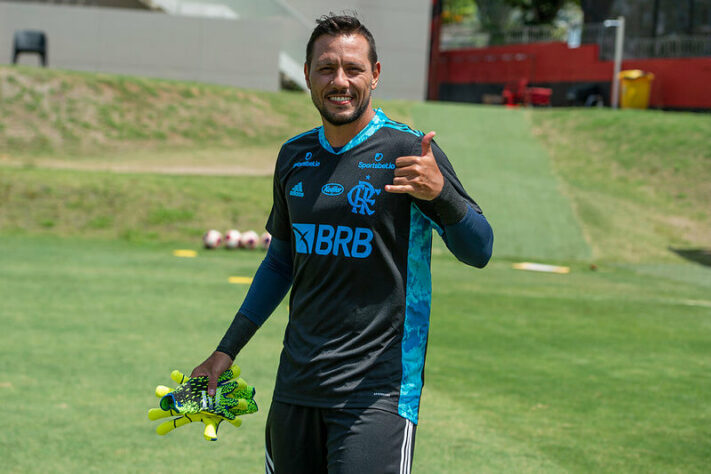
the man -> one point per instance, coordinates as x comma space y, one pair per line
354, 204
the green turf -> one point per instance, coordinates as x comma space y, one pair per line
509, 174
596, 371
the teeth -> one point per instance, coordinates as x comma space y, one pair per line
340, 99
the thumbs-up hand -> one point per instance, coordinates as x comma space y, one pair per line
418, 176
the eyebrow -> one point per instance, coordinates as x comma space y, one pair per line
328, 62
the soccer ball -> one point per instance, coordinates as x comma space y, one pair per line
265, 240
212, 239
249, 239
232, 239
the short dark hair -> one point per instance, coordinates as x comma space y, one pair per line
336, 25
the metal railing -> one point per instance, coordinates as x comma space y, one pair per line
670, 47
460, 36
456, 36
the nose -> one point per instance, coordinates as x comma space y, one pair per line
339, 78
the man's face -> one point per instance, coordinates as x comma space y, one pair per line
341, 77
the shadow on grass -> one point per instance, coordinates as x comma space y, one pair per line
701, 256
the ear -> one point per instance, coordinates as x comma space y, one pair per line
376, 76
306, 75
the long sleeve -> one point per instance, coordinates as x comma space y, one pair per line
471, 239
269, 286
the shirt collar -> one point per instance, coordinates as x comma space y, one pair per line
373, 126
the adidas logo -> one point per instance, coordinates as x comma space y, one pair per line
297, 190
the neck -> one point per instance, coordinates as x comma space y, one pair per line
340, 135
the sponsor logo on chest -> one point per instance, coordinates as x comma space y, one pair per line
376, 164
324, 239
307, 162
332, 189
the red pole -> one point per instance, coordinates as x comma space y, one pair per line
435, 24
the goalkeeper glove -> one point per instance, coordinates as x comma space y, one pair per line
190, 402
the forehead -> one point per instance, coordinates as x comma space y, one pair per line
341, 48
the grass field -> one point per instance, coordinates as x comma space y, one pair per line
603, 370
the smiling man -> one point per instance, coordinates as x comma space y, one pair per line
355, 202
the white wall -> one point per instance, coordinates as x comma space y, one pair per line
231, 52
242, 53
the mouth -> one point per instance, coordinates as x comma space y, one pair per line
339, 99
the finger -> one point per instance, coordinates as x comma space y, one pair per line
162, 390
157, 413
212, 385
245, 406
235, 371
168, 426
211, 426
404, 181
412, 170
243, 390
403, 161
237, 389
229, 374
399, 188
427, 143
178, 377
198, 371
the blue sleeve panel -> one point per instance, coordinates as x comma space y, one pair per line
270, 284
471, 239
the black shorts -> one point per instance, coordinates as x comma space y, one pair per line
312, 440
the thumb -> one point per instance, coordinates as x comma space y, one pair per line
427, 143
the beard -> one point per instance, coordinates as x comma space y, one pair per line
340, 120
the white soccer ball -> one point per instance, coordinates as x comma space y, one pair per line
232, 239
212, 239
265, 240
249, 240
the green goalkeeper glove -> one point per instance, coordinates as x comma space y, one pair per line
233, 396
190, 402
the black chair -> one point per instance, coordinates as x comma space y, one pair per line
30, 41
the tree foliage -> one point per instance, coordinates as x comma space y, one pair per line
538, 12
498, 14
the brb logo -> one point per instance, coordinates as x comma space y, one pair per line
324, 239
361, 197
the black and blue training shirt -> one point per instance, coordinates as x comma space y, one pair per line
361, 289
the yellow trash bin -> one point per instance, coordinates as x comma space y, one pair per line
635, 90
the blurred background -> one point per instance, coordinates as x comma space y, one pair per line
451, 50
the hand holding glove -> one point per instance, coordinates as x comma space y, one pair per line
190, 402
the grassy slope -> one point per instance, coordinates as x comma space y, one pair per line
134, 207
54, 122
65, 114
640, 181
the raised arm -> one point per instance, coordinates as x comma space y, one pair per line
428, 176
